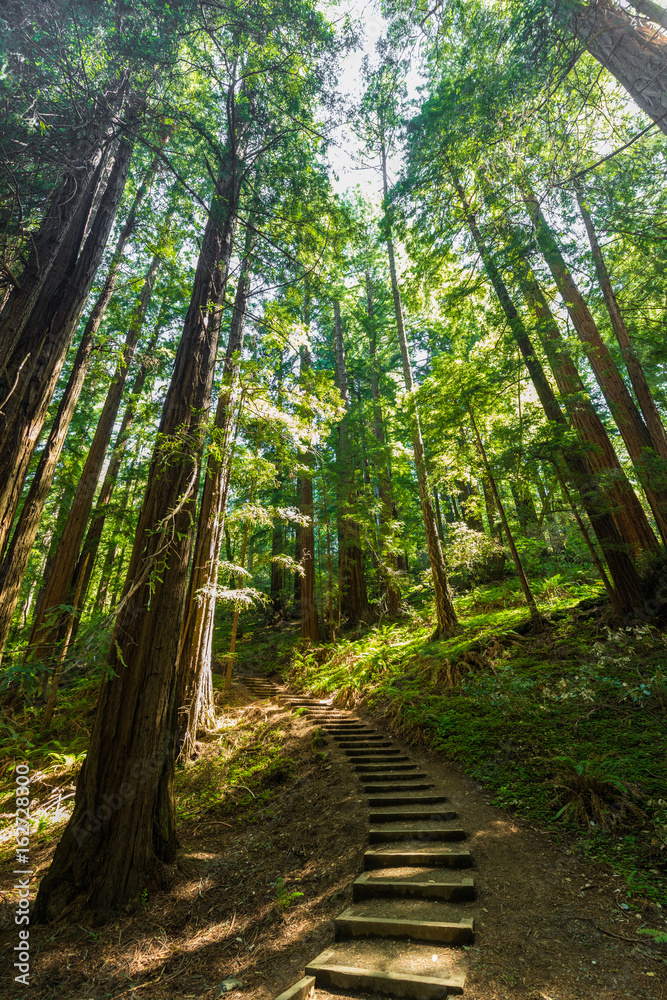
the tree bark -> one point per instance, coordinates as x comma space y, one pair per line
15, 563
68, 207
195, 691
387, 554
633, 51
52, 323
123, 824
51, 626
623, 409
627, 586
597, 448
88, 554
525, 586
18, 551
632, 362
446, 616
354, 596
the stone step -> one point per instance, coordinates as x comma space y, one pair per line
340, 737
363, 743
374, 766
345, 730
379, 759
349, 924
373, 752
395, 814
416, 857
399, 798
333, 969
394, 775
289, 699
417, 786
413, 887
414, 831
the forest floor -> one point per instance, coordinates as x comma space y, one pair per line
272, 826
272, 831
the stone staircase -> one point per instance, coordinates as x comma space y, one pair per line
410, 916
261, 687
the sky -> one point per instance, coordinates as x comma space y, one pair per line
348, 166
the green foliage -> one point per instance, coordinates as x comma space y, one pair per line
284, 897
505, 702
591, 793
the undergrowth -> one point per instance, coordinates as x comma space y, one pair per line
565, 725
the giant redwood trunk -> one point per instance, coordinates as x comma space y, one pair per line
123, 824
38, 358
627, 587
632, 363
68, 205
445, 614
354, 597
52, 627
387, 553
631, 48
596, 445
310, 628
195, 683
86, 561
15, 561
623, 408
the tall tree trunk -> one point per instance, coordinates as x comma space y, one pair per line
51, 626
623, 409
86, 561
296, 594
354, 598
387, 554
195, 683
53, 321
633, 51
277, 583
525, 586
310, 628
446, 616
15, 562
123, 823
114, 550
632, 362
235, 619
68, 207
597, 448
627, 587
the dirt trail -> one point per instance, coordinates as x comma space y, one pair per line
547, 925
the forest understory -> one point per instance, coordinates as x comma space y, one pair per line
518, 721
